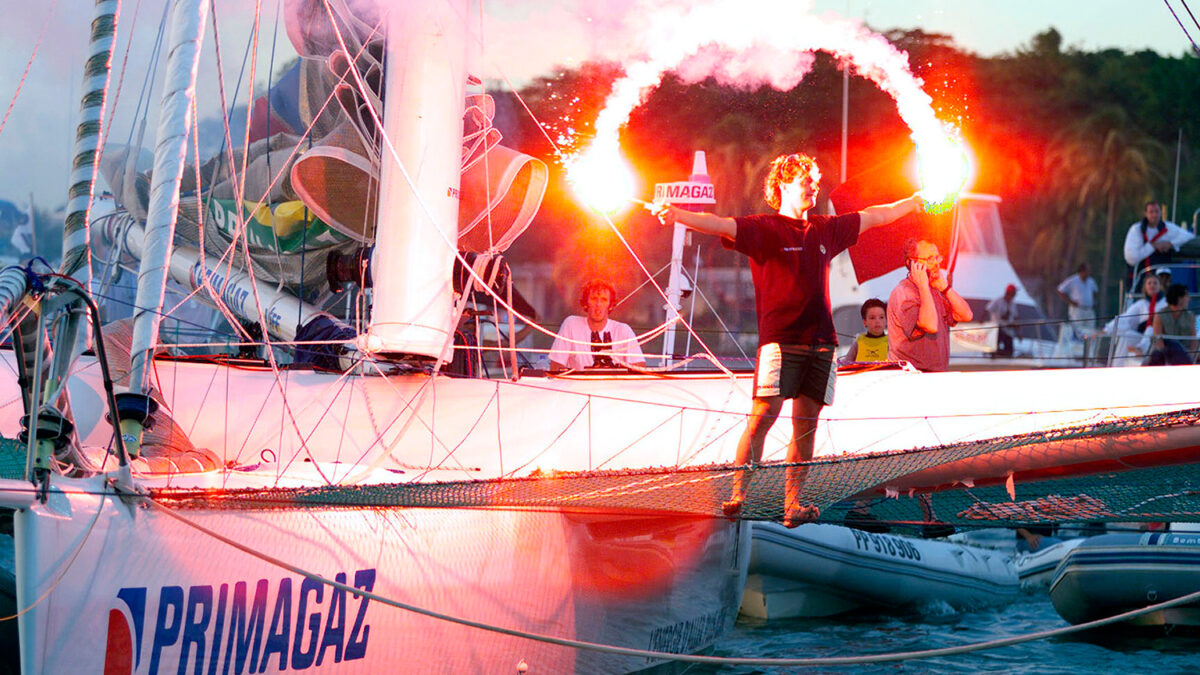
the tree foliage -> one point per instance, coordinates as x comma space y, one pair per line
1073, 141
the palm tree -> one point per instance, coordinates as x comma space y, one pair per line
1101, 163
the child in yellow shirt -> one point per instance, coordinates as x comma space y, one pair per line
873, 344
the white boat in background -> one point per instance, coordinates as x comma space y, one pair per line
1036, 568
1114, 573
981, 272
820, 570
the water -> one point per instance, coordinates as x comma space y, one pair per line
1119, 650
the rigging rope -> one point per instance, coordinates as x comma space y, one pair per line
28, 65
364, 91
1182, 27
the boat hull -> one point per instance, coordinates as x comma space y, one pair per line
143, 592
1114, 573
819, 570
1036, 568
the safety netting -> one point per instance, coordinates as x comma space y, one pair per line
12, 458
854, 488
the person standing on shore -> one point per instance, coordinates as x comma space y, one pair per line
1079, 292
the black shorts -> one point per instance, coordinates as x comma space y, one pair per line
792, 370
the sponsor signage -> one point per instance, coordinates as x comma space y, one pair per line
291, 623
685, 192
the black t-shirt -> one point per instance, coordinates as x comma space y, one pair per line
789, 263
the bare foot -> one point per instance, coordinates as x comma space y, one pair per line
798, 514
732, 507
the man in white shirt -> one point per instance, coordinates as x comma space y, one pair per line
1079, 292
1151, 241
594, 340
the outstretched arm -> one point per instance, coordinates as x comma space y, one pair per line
701, 222
874, 216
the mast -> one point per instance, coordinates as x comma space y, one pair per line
170, 151
417, 233
76, 256
1175, 194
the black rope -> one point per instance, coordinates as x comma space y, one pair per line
1183, 27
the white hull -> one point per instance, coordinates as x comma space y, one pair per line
416, 428
1114, 573
819, 570
1036, 568
151, 594
456, 429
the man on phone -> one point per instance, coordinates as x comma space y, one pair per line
922, 309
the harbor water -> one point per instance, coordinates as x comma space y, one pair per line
1116, 650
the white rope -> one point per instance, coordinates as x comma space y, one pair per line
686, 658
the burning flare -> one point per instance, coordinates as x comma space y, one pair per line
601, 177
773, 47
944, 169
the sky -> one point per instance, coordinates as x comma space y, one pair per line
520, 40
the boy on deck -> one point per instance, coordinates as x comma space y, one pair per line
873, 344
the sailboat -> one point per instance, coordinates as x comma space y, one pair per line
215, 514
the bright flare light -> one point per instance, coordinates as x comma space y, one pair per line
944, 169
716, 38
601, 178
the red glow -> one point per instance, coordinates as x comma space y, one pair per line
638, 554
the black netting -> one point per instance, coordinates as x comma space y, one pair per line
854, 486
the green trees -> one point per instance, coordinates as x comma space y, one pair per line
1102, 163
1073, 141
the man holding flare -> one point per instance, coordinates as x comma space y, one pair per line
789, 253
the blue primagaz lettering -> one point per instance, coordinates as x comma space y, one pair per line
251, 626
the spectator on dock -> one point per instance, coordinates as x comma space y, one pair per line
922, 309
1177, 320
1164, 276
1132, 327
1153, 241
1079, 292
595, 340
1002, 311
